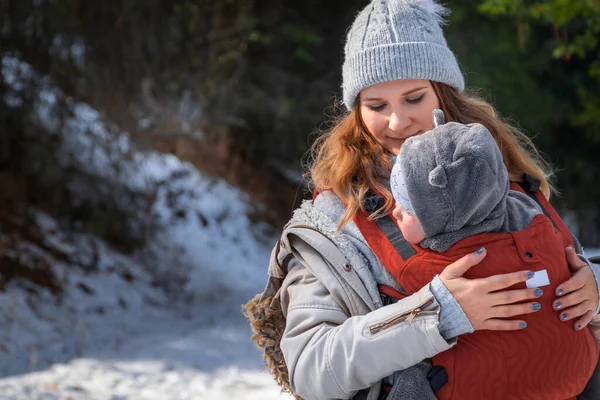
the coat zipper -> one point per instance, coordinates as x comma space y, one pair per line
407, 317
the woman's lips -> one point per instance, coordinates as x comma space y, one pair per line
402, 139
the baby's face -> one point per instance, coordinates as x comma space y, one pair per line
408, 224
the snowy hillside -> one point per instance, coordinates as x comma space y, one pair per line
110, 330
126, 339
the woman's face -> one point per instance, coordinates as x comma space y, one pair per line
396, 110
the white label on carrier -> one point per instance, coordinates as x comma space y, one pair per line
539, 279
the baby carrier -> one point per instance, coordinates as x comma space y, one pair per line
547, 360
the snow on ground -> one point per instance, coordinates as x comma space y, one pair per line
112, 335
125, 338
115, 336
177, 361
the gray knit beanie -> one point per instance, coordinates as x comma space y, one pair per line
397, 39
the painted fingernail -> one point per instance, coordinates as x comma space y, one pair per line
523, 325
538, 292
530, 274
560, 292
578, 326
536, 306
557, 305
564, 316
480, 250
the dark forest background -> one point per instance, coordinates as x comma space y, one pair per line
239, 88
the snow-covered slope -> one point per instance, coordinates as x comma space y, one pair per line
127, 339
113, 332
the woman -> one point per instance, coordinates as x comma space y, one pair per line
321, 318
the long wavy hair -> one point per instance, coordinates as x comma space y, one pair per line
349, 161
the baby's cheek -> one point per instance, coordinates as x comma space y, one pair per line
416, 232
420, 233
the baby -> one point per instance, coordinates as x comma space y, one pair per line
460, 187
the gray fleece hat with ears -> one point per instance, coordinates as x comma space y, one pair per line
398, 39
456, 181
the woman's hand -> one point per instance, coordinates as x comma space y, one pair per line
484, 301
577, 297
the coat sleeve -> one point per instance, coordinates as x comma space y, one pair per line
592, 388
595, 269
331, 354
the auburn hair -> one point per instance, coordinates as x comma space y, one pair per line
349, 161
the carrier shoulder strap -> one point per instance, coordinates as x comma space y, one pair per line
531, 187
383, 235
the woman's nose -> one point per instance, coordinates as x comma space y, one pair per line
398, 122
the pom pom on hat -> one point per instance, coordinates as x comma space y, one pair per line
436, 9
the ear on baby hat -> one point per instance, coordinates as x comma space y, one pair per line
438, 117
437, 177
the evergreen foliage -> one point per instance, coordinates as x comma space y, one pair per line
262, 73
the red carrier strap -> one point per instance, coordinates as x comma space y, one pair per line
392, 236
531, 187
384, 237
391, 292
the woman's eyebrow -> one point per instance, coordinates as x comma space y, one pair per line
403, 94
414, 90
371, 99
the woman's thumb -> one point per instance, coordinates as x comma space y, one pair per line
460, 267
573, 259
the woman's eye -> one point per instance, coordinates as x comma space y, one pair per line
415, 100
376, 107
